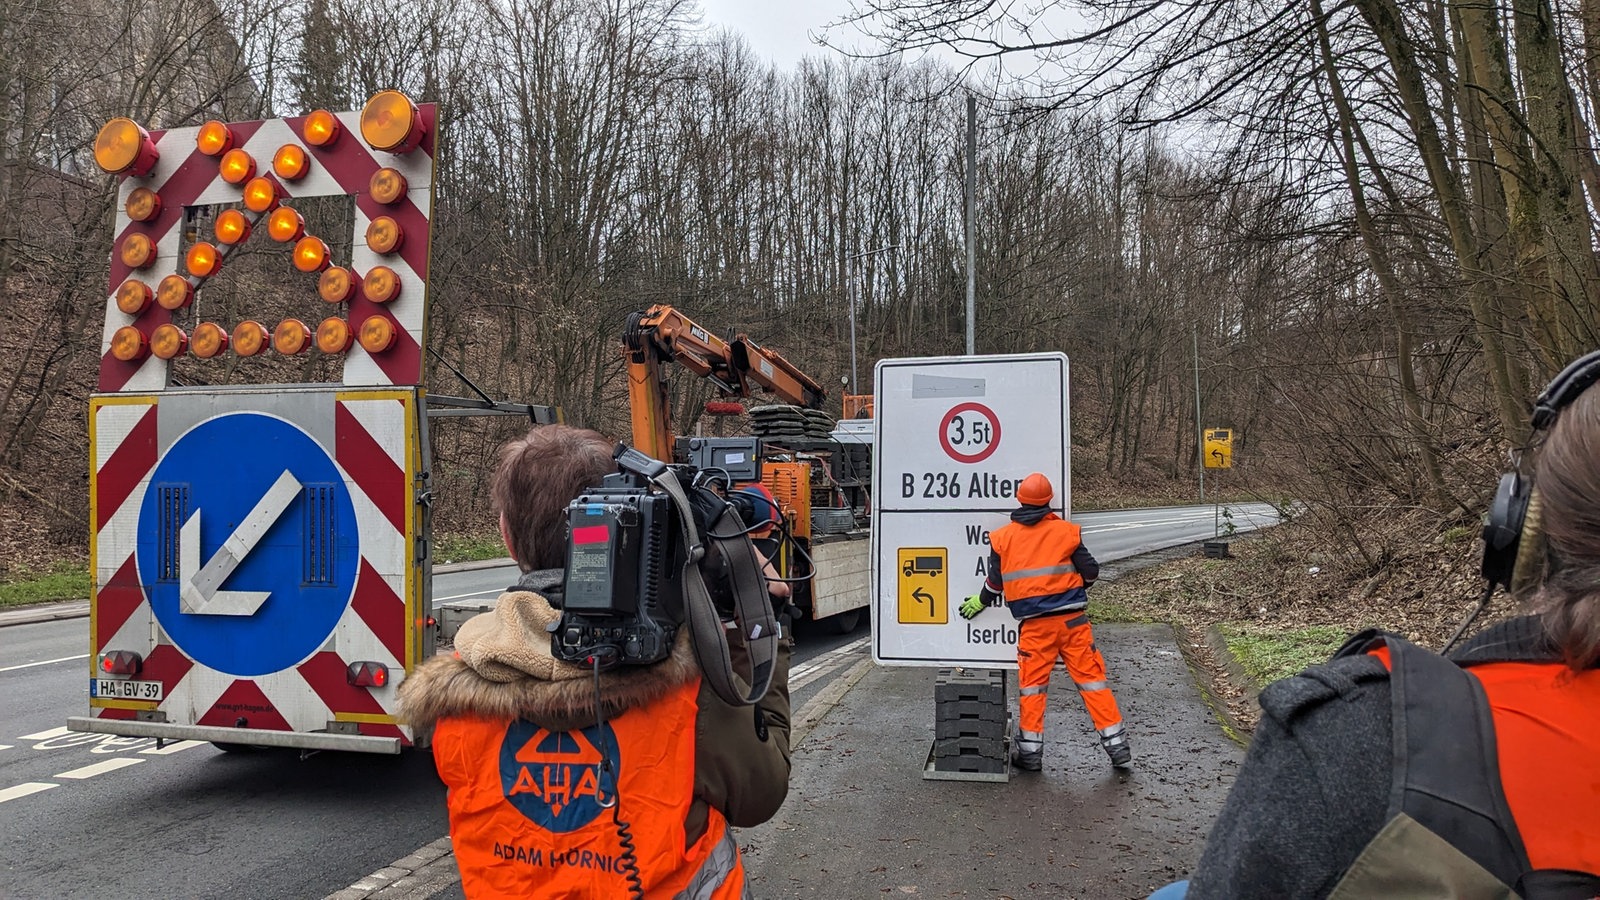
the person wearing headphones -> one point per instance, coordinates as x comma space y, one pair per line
1393, 771
571, 781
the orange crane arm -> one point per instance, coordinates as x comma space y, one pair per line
662, 334
776, 374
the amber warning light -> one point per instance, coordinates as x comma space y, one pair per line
124, 148
391, 122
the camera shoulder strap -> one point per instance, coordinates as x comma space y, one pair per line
752, 608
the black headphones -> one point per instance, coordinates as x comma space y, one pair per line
1502, 532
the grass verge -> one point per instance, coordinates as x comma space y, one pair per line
1267, 656
454, 548
64, 581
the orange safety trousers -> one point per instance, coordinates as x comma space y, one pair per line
1069, 638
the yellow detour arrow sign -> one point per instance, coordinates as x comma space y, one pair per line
1218, 449
924, 597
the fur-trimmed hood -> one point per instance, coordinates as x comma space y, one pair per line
502, 667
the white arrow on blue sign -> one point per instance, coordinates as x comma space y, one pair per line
248, 544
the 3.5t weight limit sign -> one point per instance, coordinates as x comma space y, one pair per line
970, 432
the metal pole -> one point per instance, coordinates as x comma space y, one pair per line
972, 189
850, 292
1200, 430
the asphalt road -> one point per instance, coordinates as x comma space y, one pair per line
97, 815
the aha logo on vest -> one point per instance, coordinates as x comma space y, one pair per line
553, 777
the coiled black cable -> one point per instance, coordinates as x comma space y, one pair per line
611, 767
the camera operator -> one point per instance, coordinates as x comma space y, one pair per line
567, 780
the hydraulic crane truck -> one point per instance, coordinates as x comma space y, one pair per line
820, 485
260, 551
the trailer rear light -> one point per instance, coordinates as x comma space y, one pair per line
232, 227
214, 138
121, 662
122, 147
249, 338
260, 194
377, 334
367, 674
391, 122
322, 128
129, 344
143, 204
381, 285
203, 260
333, 335
291, 162
133, 297
384, 235
209, 340
285, 225
310, 254
174, 292
237, 167
138, 251
291, 337
336, 284
387, 186
168, 341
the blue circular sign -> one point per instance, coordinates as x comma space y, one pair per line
554, 777
247, 544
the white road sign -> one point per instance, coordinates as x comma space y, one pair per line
955, 436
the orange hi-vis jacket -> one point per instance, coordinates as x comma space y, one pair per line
1037, 574
1538, 777
532, 820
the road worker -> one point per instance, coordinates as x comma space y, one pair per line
1393, 771
765, 517
1039, 564
571, 781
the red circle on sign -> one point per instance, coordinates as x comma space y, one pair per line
994, 427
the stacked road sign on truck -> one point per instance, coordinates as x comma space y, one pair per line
260, 553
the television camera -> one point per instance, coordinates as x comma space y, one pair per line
645, 556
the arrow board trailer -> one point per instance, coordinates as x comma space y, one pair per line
260, 551
955, 436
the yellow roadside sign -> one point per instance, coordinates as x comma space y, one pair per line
1218, 448
924, 574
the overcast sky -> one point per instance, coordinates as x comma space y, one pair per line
778, 29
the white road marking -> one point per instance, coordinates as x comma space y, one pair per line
5, 746
828, 658
46, 735
23, 790
178, 747
44, 662
100, 768
486, 594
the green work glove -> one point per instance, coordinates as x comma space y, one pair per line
971, 606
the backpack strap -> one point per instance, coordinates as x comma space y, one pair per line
1446, 761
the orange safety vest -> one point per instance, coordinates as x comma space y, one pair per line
1544, 742
1036, 560
526, 818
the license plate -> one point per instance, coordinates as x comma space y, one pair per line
122, 689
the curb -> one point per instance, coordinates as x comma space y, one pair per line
77, 609
45, 612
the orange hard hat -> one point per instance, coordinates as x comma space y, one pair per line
1035, 490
